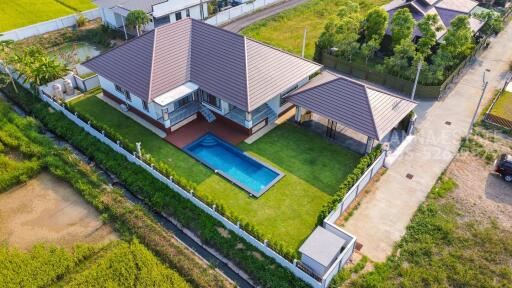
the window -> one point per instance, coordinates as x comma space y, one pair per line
162, 20
282, 99
125, 92
187, 12
209, 99
178, 16
145, 105
183, 101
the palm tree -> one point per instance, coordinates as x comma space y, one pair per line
137, 19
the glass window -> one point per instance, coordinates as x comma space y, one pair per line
210, 99
145, 105
123, 91
178, 16
188, 12
162, 20
282, 99
183, 101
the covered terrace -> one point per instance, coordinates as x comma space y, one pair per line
364, 111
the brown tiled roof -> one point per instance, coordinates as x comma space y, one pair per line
360, 107
239, 70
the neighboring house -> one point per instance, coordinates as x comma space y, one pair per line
191, 70
174, 72
113, 12
447, 10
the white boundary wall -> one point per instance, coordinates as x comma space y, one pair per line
233, 13
47, 26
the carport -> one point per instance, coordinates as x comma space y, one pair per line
362, 108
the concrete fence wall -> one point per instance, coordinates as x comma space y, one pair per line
233, 13
47, 26
210, 210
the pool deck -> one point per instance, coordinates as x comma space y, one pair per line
199, 127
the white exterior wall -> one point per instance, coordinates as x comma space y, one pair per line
174, 6
313, 265
108, 17
136, 101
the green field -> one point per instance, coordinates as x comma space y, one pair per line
288, 211
20, 13
117, 264
286, 30
503, 107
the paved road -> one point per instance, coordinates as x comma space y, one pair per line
382, 218
245, 21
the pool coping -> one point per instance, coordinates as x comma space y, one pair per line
279, 176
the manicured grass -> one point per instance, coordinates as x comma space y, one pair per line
503, 107
287, 212
286, 30
20, 13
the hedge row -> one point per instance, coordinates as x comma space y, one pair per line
63, 164
364, 163
264, 270
183, 182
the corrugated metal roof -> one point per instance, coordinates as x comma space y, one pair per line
145, 5
355, 105
457, 5
240, 71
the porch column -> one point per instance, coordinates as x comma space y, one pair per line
369, 145
248, 119
298, 113
412, 123
124, 27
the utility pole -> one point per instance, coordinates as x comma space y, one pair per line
124, 28
420, 64
304, 42
478, 106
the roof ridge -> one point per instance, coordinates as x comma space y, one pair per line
189, 54
372, 118
246, 74
284, 51
150, 98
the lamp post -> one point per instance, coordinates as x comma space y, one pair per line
485, 83
420, 64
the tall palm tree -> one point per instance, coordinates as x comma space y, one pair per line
137, 19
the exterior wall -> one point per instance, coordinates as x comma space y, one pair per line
174, 6
108, 17
313, 265
136, 101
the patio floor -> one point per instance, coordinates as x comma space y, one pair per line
198, 127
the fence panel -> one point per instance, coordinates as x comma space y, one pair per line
233, 13
47, 26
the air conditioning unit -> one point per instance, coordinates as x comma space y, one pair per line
123, 107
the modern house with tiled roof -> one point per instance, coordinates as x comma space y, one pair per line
446, 10
114, 12
177, 72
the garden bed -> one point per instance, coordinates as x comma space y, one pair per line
501, 112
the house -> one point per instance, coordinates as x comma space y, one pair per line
114, 12
177, 72
447, 10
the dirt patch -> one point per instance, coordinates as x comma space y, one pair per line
480, 193
257, 255
46, 209
223, 232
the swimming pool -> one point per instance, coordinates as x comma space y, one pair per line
227, 160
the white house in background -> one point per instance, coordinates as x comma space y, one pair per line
114, 12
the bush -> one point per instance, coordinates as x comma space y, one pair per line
264, 270
80, 20
351, 179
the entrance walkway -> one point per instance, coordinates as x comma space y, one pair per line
382, 218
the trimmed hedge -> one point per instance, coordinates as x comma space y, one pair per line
261, 268
348, 183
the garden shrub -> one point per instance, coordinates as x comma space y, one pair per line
351, 179
263, 269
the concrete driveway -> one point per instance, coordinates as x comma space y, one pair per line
383, 216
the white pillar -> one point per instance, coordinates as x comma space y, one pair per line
369, 144
412, 123
298, 114
248, 119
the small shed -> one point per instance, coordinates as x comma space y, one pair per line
321, 249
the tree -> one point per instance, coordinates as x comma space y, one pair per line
326, 40
347, 30
137, 19
402, 26
369, 48
458, 41
428, 26
400, 63
7, 50
375, 24
493, 22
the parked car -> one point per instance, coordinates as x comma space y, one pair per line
503, 166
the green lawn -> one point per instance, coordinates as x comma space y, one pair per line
286, 30
20, 13
287, 212
503, 107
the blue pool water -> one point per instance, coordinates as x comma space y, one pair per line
232, 163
